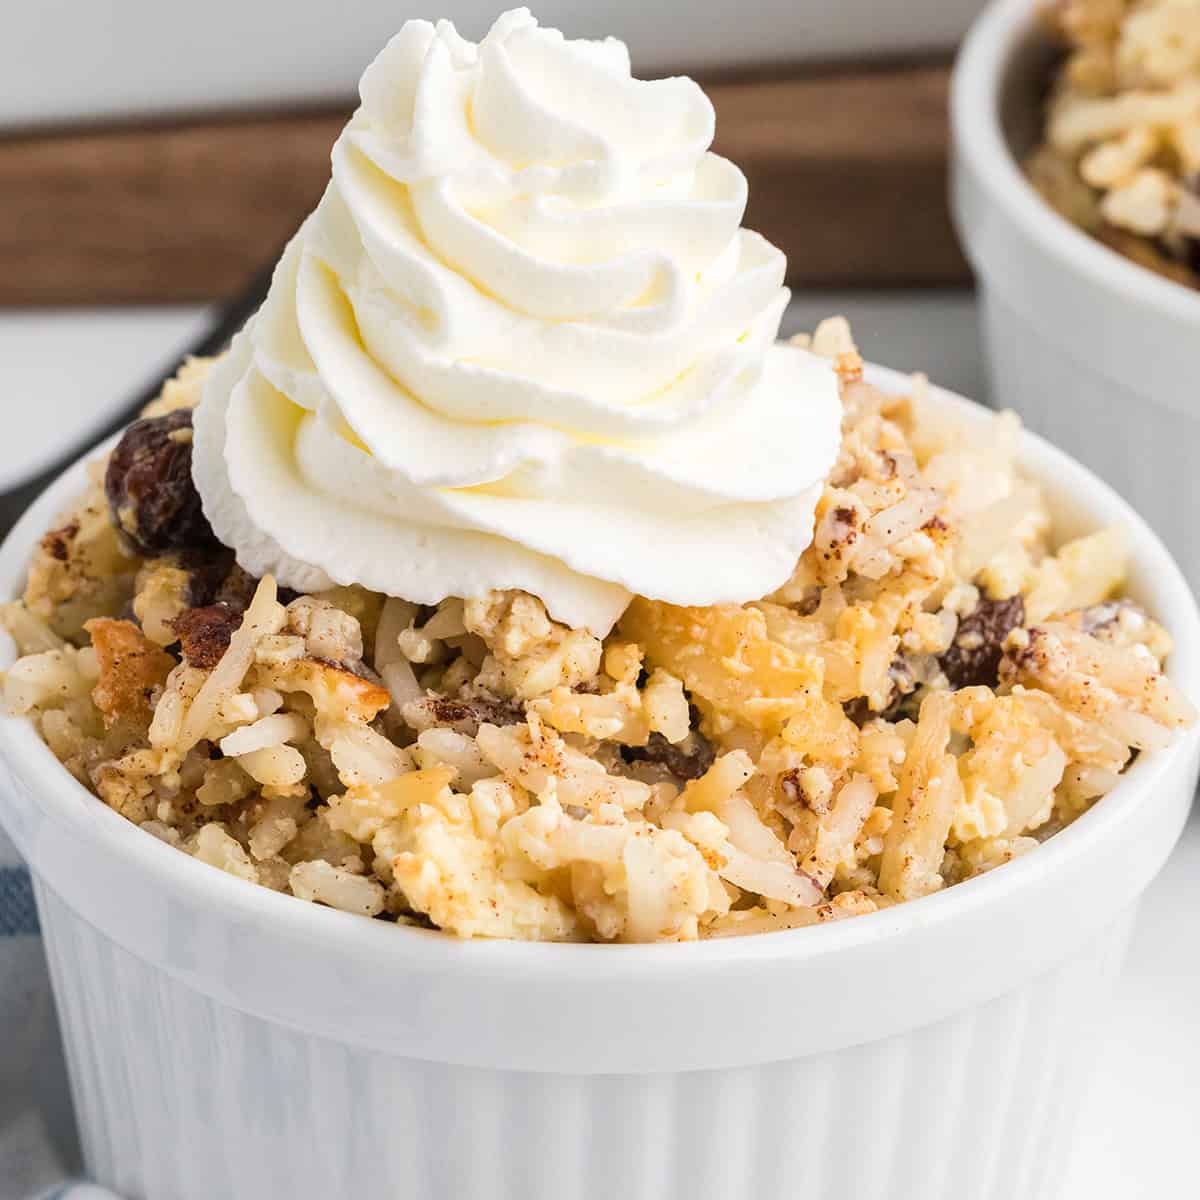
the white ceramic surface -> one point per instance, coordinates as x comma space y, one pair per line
1137, 1125
1096, 353
71, 61
228, 1041
181, 1097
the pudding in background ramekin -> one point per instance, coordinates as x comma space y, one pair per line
1094, 351
1119, 154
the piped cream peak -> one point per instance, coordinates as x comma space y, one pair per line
523, 342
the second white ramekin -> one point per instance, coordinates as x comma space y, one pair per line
226, 1041
1099, 355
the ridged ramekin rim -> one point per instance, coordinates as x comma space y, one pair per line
979, 143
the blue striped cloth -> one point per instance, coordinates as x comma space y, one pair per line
31, 1078
18, 914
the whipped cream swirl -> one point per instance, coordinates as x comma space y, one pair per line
523, 342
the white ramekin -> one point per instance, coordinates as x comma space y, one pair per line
227, 1041
1096, 353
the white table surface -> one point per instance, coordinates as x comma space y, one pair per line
66, 374
62, 373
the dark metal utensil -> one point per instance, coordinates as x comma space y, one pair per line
231, 318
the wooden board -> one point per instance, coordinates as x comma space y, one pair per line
847, 173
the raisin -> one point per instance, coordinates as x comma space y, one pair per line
808, 603
207, 569
688, 759
1191, 245
150, 491
902, 699
1191, 254
238, 587
973, 659
214, 577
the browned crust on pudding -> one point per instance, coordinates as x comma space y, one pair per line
132, 669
